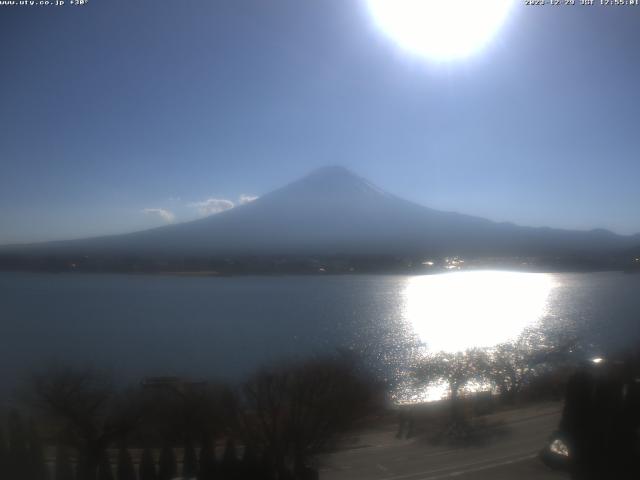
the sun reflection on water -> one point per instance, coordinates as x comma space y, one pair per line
456, 311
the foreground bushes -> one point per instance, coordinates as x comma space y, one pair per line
21, 452
273, 426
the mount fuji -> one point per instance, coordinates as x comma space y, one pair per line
333, 211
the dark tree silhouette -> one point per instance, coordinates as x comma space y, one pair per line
263, 417
456, 370
19, 460
63, 469
126, 470
229, 466
89, 409
104, 468
37, 462
4, 453
147, 466
167, 464
298, 411
513, 365
207, 461
188, 410
189, 461
267, 467
250, 465
528, 360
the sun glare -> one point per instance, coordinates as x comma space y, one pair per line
440, 29
455, 311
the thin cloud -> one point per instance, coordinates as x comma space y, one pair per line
213, 205
165, 214
247, 199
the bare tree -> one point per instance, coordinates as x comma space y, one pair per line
294, 412
514, 365
89, 410
37, 462
190, 461
4, 453
206, 461
105, 471
262, 419
456, 370
18, 461
148, 466
63, 469
167, 464
187, 412
126, 470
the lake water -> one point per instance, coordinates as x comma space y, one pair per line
224, 327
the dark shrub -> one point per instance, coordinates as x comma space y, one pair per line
63, 469
167, 464
190, 461
147, 466
126, 470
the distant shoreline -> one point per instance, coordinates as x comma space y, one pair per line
215, 274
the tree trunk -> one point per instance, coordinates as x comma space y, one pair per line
88, 464
455, 411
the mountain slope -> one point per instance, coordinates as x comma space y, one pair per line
333, 211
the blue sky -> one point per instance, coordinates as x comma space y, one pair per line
116, 113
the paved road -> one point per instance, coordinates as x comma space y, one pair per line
512, 455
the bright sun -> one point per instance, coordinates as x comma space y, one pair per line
440, 29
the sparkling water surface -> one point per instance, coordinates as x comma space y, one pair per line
140, 325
